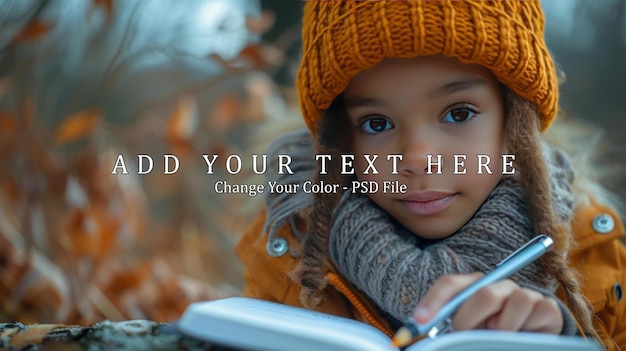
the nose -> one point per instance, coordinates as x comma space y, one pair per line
419, 156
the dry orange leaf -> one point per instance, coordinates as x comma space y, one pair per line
123, 279
232, 66
77, 126
259, 55
224, 113
261, 23
252, 56
7, 124
183, 123
34, 334
92, 233
106, 4
33, 31
10, 188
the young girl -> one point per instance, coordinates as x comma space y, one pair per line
429, 117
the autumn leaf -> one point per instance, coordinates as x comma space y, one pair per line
229, 65
10, 188
34, 334
30, 281
183, 123
106, 4
33, 31
262, 23
259, 94
92, 232
260, 55
8, 126
253, 56
224, 113
77, 126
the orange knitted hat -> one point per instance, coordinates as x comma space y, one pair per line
344, 37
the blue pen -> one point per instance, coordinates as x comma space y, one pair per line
507, 267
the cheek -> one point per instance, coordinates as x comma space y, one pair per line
360, 164
484, 162
381, 170
491, 145
504, 149
485, 156
479, 186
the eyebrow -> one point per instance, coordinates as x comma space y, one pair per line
446, 89
456, 86
362, 102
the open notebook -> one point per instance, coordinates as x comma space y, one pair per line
252, 324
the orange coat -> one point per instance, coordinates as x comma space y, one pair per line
599, 255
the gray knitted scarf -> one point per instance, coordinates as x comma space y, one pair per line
394, 267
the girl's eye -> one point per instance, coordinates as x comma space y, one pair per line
459, 115
375, 125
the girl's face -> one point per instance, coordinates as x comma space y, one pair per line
428, 105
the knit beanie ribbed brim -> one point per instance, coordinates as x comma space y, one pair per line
342, 38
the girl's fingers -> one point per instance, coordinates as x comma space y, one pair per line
441, 292
517, 310
503, 305
546, 317
484, 304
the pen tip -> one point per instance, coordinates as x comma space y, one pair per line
402, 337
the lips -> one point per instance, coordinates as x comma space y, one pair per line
428, 202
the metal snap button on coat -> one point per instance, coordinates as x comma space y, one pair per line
618, 291
603, 223
277, 247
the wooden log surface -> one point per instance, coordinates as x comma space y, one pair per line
136, 335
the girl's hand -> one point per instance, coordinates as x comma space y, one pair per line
503, 305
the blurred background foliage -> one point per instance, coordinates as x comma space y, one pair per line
83, 81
